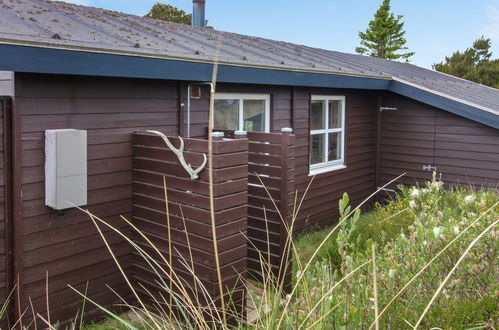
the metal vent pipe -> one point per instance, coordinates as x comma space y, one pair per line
198, 13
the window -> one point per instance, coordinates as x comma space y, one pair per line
327, 133
247, 112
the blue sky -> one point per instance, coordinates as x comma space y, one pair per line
434, 28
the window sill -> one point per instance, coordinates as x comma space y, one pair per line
326, 169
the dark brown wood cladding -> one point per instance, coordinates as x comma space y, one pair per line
66, 247
6, 262
291, 106
416, 135
188, 211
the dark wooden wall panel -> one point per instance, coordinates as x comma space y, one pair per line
463, 151
290, 108
357, 179
67, 245
4, 230
408, 140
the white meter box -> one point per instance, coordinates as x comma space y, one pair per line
65, 168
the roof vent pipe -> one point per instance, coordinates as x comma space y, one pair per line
198, 17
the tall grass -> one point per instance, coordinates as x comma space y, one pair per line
366, 290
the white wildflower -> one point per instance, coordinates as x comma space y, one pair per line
424, 190
436, 231
469, 198
391, 273
456, 230
415, 193
298, 274
425, 243
472, 214
437, 184
402, 235
412, 204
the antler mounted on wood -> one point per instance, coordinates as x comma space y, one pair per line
180, 155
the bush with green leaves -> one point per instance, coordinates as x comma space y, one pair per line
414, 252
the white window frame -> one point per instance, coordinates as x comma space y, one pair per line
241, 98
336, 164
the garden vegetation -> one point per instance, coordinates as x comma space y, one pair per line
425, 258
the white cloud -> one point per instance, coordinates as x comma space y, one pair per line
491, 27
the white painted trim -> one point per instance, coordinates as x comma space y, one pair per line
241, 97
325, 169
338, 163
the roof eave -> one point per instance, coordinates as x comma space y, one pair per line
459, 107
19, 58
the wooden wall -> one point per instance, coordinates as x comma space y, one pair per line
290, 108
5, 207
463, 151
65, 244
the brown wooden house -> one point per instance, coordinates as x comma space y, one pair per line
357, 122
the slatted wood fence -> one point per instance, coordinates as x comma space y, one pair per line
189, 210
271, 198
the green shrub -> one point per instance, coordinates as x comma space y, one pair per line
429, 217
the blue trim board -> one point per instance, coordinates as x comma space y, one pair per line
441, 102
61, 61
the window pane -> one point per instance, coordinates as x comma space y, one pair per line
335, 119
334, 152
226, 114
254, 115
317, 115
317, 145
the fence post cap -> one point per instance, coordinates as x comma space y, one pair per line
240, 133
217, 134
287, 130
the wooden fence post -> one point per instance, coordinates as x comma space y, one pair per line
284, 276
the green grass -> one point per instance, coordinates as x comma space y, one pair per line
307, 244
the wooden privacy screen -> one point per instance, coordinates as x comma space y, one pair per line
189, 209
271, 161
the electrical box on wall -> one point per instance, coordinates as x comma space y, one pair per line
65, 168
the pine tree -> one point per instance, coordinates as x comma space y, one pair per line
473, 64
384, 36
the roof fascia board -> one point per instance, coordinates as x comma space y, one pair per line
459, 108
61, 61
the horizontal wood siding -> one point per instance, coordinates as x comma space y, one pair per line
407, 140
65, 246
320, 204
290, 108
466, 152
4, 217
463, 152
189, 216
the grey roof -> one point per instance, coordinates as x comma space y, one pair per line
56, 24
